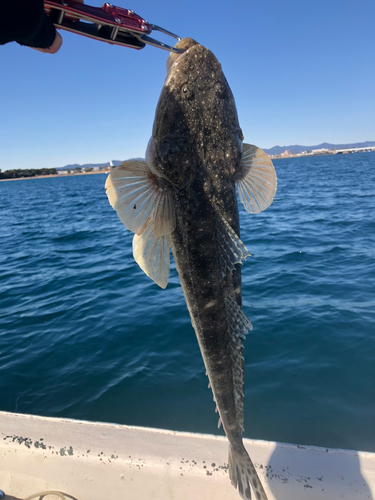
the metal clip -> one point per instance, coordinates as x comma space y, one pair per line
107, 23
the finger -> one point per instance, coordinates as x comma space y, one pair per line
54, 47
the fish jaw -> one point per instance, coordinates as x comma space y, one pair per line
184, 45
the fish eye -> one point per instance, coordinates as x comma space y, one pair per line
186, 92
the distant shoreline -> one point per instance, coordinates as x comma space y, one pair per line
273, 157
328, 152
55, 175
299, 155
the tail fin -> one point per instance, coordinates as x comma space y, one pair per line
242, 474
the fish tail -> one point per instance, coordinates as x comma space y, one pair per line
242, 474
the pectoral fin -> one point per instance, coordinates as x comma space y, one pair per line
152, 255
144, 205
256, 180
140, 198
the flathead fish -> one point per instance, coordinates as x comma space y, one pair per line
183, 197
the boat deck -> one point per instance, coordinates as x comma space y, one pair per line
97, 461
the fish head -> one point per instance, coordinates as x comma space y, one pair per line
196, 120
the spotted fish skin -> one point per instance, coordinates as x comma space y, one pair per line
184, 197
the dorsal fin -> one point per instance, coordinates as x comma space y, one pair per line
238, 326
231, 249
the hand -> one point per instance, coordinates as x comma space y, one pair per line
54, 47
56, 43
26, 23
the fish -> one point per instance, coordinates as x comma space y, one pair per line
182, 197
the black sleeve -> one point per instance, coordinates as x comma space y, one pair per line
25, 22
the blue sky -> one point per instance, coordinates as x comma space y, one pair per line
301, 73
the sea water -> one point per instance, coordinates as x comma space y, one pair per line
85, 334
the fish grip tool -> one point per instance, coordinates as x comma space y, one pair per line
107, 23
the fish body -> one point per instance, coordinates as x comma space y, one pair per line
184, 197
198, 99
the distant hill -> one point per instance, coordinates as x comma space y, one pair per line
277, 150
115, 163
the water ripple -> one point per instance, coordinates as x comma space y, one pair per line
85, 334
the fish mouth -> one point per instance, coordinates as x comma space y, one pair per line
185, 44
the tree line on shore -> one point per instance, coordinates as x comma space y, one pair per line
28, 172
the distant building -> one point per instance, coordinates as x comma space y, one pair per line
286, 153
321, 151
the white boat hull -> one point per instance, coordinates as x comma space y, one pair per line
97, 461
